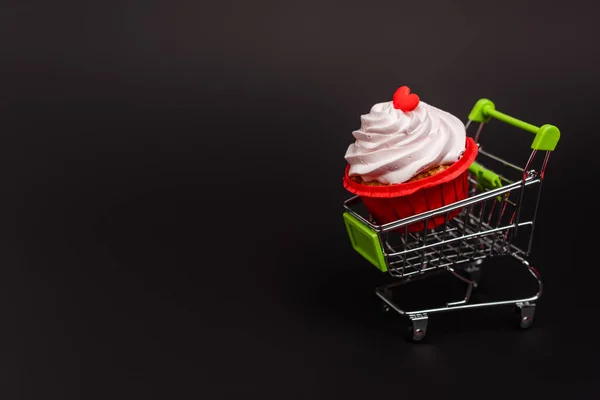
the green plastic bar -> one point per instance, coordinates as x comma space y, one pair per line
485, 177
511, 121
546, 136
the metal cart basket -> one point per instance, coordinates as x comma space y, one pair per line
490, 221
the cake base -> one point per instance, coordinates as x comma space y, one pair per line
420, 175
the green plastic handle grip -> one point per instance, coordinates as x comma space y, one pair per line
485, 177
546, 136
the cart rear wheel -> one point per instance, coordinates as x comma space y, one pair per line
526, 322
525, 315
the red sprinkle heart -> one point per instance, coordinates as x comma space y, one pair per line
405, 100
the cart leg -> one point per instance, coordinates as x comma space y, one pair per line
469, 288
527, 312
418, 330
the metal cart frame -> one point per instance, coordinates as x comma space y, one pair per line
490, 220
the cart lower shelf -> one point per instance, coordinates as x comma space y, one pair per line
471, 275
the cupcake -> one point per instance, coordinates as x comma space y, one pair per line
409, 157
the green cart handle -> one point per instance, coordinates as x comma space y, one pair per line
546, 136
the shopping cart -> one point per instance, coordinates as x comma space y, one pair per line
493, 221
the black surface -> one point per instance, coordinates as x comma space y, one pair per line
171, 197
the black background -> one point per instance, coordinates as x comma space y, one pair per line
171, 197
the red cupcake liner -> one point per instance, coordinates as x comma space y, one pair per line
393, 202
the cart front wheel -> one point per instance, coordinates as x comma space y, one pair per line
416, 335
418, 328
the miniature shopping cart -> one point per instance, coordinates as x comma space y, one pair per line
496, 219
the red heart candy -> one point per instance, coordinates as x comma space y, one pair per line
405, 100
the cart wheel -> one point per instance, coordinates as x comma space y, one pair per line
418, 328
387, 293
525, 314
416, 335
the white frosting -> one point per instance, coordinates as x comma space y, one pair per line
392, 146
